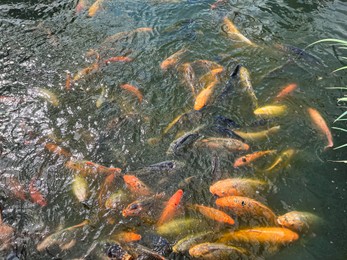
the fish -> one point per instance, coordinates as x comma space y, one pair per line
81, 5
118, 59
108, 182
321, 125
86, 71
68, 245
87, 167
245, 81
189, 77
136, 186
120, 35
236, 187
178, 226
126, 237
12, 184
48, 95
95, 7
271, 111
210, 76
142, 252
35, 195
6, 231
189, 241
116, 251
172, 60
178, 145
134, 90
210, 65
170, 208
80, 188
282, 160
263, 235
101, 98
54, 148
68, 82
217, 3
214, 214
58, 237
249, 158
172, 123
216, 143
247, 207
286, 90
203, 97
298, 221
258, 136
102, 169
116, 200
141, 206
214, 251
234, 33
165, 166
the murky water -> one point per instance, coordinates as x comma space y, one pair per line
96, 120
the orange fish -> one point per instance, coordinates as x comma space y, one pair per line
214, 214
95, 8
216, 143
13, 185
102, 169
134, 90
243, 206
268, 235
171, 207
236, 187
136, 186
86, 71
81, 6
6, 231
141, 206
118, 59
87, 167
286, 91
203, 97
127, 237
234, 33
68, 81
105, 187
36, 195
321, 125
171, 60
54, 148
249, 158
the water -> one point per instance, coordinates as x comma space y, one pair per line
42, 40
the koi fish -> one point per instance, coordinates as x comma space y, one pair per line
88, 167
36, 195
81, 5
217, 251
141, 206
86, 71
321, 125
247, 207
203, 97
210, 65
68, 82
48, 95
172, 60
258, 136
249, 158
118, 59
170, 208
217, 3
245, 81
102, 169
136, 186
236, 187
298, 221
229, 144
189, 76
187, 242
286, 91
172, 123
271, 111
178, 226
214, 214
134, 90
165, 166
271, 235
127, 237
105, 187
185, 140
80, 188
13, 185
116, 200
95, 8
6, 231
54, 148
210, 76
234, 33
120, 35
282, 160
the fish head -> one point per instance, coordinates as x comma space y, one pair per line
133, 209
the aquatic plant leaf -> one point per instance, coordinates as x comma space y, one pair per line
342, 99
342, 161
341, 146
332, 40
342, 68
337, 88
342, 115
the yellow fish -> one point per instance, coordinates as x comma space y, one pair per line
235, 34
271, 111
257, 136
282, 161
95, 8
204, 96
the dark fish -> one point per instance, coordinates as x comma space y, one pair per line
225, 132
166, 166
115, 251
142, 252
157, 243
230, 84
222, 120
216, 172
299, 53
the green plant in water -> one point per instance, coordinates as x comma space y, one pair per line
341, 45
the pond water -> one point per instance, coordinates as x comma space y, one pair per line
96, 120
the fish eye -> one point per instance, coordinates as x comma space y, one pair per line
244, 159
134, 206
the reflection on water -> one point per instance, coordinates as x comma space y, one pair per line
84, 96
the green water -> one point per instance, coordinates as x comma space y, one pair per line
41, 40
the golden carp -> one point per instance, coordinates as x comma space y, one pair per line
210, 76
86, 71
172, 60
282, 160
247, 207
258, 136
271, 111
245, 81
35, 195
236, 187
80, 188
95, 7
178, 226
234, 33
229, 144
121, 35
134, 90
298, 221
214, 214
268, 235
203, 97
249, 158
187, 242
118, 59
12, 184
215, 251
321, 125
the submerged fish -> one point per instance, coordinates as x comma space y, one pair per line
321, 125
134, 90
189, 77
95, 7
12, 184
118, 59
187, 242
234, 33
214, 214
101, 98
54, 148
80, 188
136, 186
286, 91
249, 158
298, 221
35, 195
271, 111
165, 166
229, 144
142, 206
282, 160
247, 207
86, 71
236, 187
178, 226
214, 251
116, 200
126, 237
172, 60
245, 80
257, 136
170, 208
204, 96
300, 53
48, 95
267, 235
6, 231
